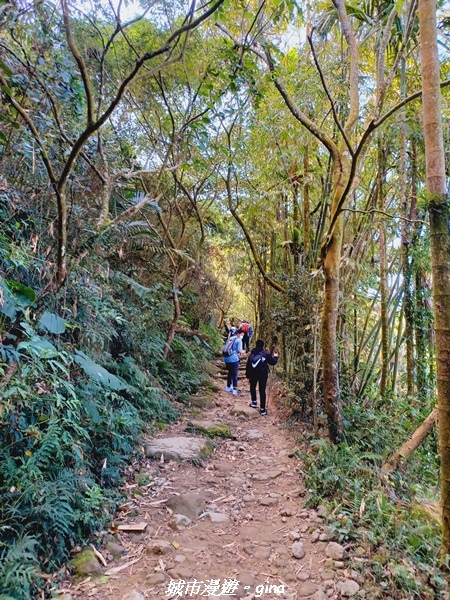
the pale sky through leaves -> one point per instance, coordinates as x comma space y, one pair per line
128, 9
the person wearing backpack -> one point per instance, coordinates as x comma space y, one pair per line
250, 335
248, 332
257, 372
232, 352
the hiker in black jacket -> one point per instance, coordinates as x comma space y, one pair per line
257, 372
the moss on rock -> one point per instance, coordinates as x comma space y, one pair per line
210, 428
86, 563
203, 401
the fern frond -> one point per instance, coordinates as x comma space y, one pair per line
19, 569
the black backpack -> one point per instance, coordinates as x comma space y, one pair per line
257, 361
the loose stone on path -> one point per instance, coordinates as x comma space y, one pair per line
134, 595
348, 588
159, 547
307, 589
243, 410
179, 522
188, 504
298, 550
335, 551
216, 517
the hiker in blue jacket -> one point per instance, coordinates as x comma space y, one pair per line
257, 372
232, 363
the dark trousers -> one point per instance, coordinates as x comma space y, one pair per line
261, 382
246, 342
232, 375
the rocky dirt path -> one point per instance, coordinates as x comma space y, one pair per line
237, 527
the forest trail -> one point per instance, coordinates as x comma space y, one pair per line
251, 484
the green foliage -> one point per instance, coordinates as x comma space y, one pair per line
14, 297
19, 570
97, 372
184, 375
64, 434
378, 512
80, 396
214, 337
52, 323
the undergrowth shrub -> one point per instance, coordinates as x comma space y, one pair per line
82, 372
70, 416
382, 514
19, 570
184, 374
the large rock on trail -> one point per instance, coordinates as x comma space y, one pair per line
245, 411
134, 595
178, 448
348, 588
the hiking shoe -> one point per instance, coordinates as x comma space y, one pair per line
235, 392
263, 412
253, 405
228, 389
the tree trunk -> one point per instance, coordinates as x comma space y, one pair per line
315, 371
329, 323
331, 265
412, 444
355, 338
406, 267
104, 203
397, 352
306, 225
295, 224
173, 325
440, 241
289, 263
421, 326
383, 277
61, 263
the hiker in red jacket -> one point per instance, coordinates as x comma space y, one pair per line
257, 372
248, 332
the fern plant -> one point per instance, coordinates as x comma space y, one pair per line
19, 570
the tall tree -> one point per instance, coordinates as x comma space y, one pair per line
343, 121
97, 106
439, 212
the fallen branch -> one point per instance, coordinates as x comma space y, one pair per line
99, 555
115, 570
409, 446
187, 331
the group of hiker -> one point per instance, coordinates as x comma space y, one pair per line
237, 346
